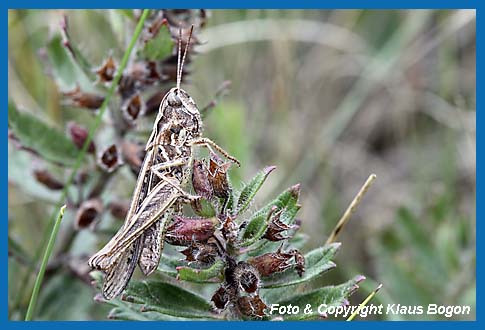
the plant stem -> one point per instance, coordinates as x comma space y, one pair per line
351, 209
43, 265
84, 149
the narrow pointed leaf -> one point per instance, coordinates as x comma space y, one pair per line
249, 191
45, 140
331, 296
317, 262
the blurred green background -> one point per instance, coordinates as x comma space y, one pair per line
329, 97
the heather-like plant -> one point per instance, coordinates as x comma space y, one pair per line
222, 259
240, 261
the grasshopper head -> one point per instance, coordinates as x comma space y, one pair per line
179, 114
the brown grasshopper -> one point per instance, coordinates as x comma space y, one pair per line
158, 193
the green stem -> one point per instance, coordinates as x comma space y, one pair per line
43, 265
82, 153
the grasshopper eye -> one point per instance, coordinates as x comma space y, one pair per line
174, 100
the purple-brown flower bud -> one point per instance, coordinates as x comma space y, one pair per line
48, 180
79, 134
83, 99
200, 179
251, 306
110, 159
88, 213
278, 261
184, 231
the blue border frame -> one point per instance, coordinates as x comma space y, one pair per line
340, 4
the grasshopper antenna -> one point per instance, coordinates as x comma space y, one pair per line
178, 59
181, 64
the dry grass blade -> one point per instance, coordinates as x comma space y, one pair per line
351, 209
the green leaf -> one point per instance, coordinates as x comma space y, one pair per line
167, 299
264, 246
258, 223
331, 296
249, 191
35, 134
66, 72
207, 209
317, 262
213, 274
168, 265
160, 46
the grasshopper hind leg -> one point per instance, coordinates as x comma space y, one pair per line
119, 274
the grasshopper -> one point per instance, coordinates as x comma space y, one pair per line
158, 193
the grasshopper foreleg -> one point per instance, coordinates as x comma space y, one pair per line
209, 144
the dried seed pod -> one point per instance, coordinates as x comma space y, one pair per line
300, 262
275, 229
230, 229
107, 70
84, 100
274, 262
110, 159
221, 298
133, 108
133, 154
251, 306
218, 176
246, 277
200, 179
183, 231
119, 209
203, 254
79, 134
88, 213
48, 180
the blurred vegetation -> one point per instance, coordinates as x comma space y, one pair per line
326, 96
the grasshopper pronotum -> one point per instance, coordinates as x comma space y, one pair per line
159, 188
